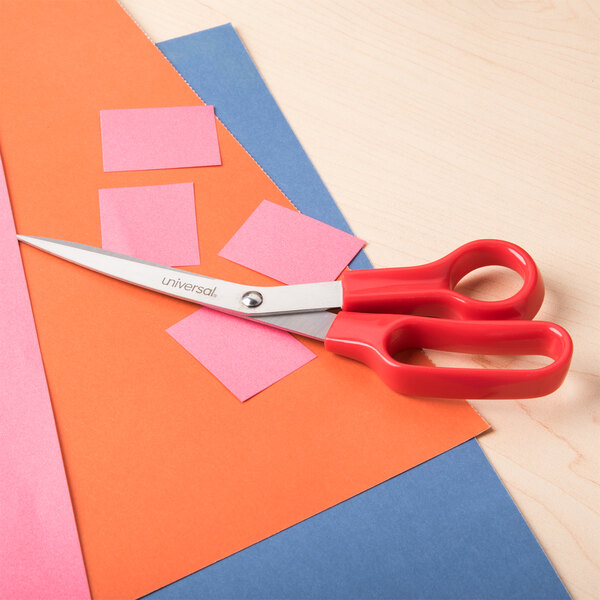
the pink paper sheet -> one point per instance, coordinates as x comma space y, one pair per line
291, 247
137, 139
40, 556
155, 223
246, 357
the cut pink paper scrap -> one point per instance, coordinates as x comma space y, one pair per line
246, 357
40, 555
138, 139
155, 223
290, 247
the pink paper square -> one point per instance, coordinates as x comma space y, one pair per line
245, 356
291, 247
137, 139
154, 222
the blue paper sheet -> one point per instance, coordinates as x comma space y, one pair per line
445, 529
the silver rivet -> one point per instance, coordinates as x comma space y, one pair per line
252, 299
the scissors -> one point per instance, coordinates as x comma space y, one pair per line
382, 312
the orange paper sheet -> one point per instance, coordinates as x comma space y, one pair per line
168, 472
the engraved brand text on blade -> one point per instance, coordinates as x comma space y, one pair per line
189, 287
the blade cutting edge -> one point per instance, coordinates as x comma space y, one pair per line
313, 324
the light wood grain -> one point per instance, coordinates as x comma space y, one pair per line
434, 123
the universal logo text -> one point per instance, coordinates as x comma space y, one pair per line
189, 287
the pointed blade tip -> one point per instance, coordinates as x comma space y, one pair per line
28, 239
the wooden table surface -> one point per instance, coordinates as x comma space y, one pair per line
437, 122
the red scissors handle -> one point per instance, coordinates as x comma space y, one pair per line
374, 339
428, 290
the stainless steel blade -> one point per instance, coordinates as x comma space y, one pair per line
218, 294
312, 324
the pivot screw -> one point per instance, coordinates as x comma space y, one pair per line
252, 299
